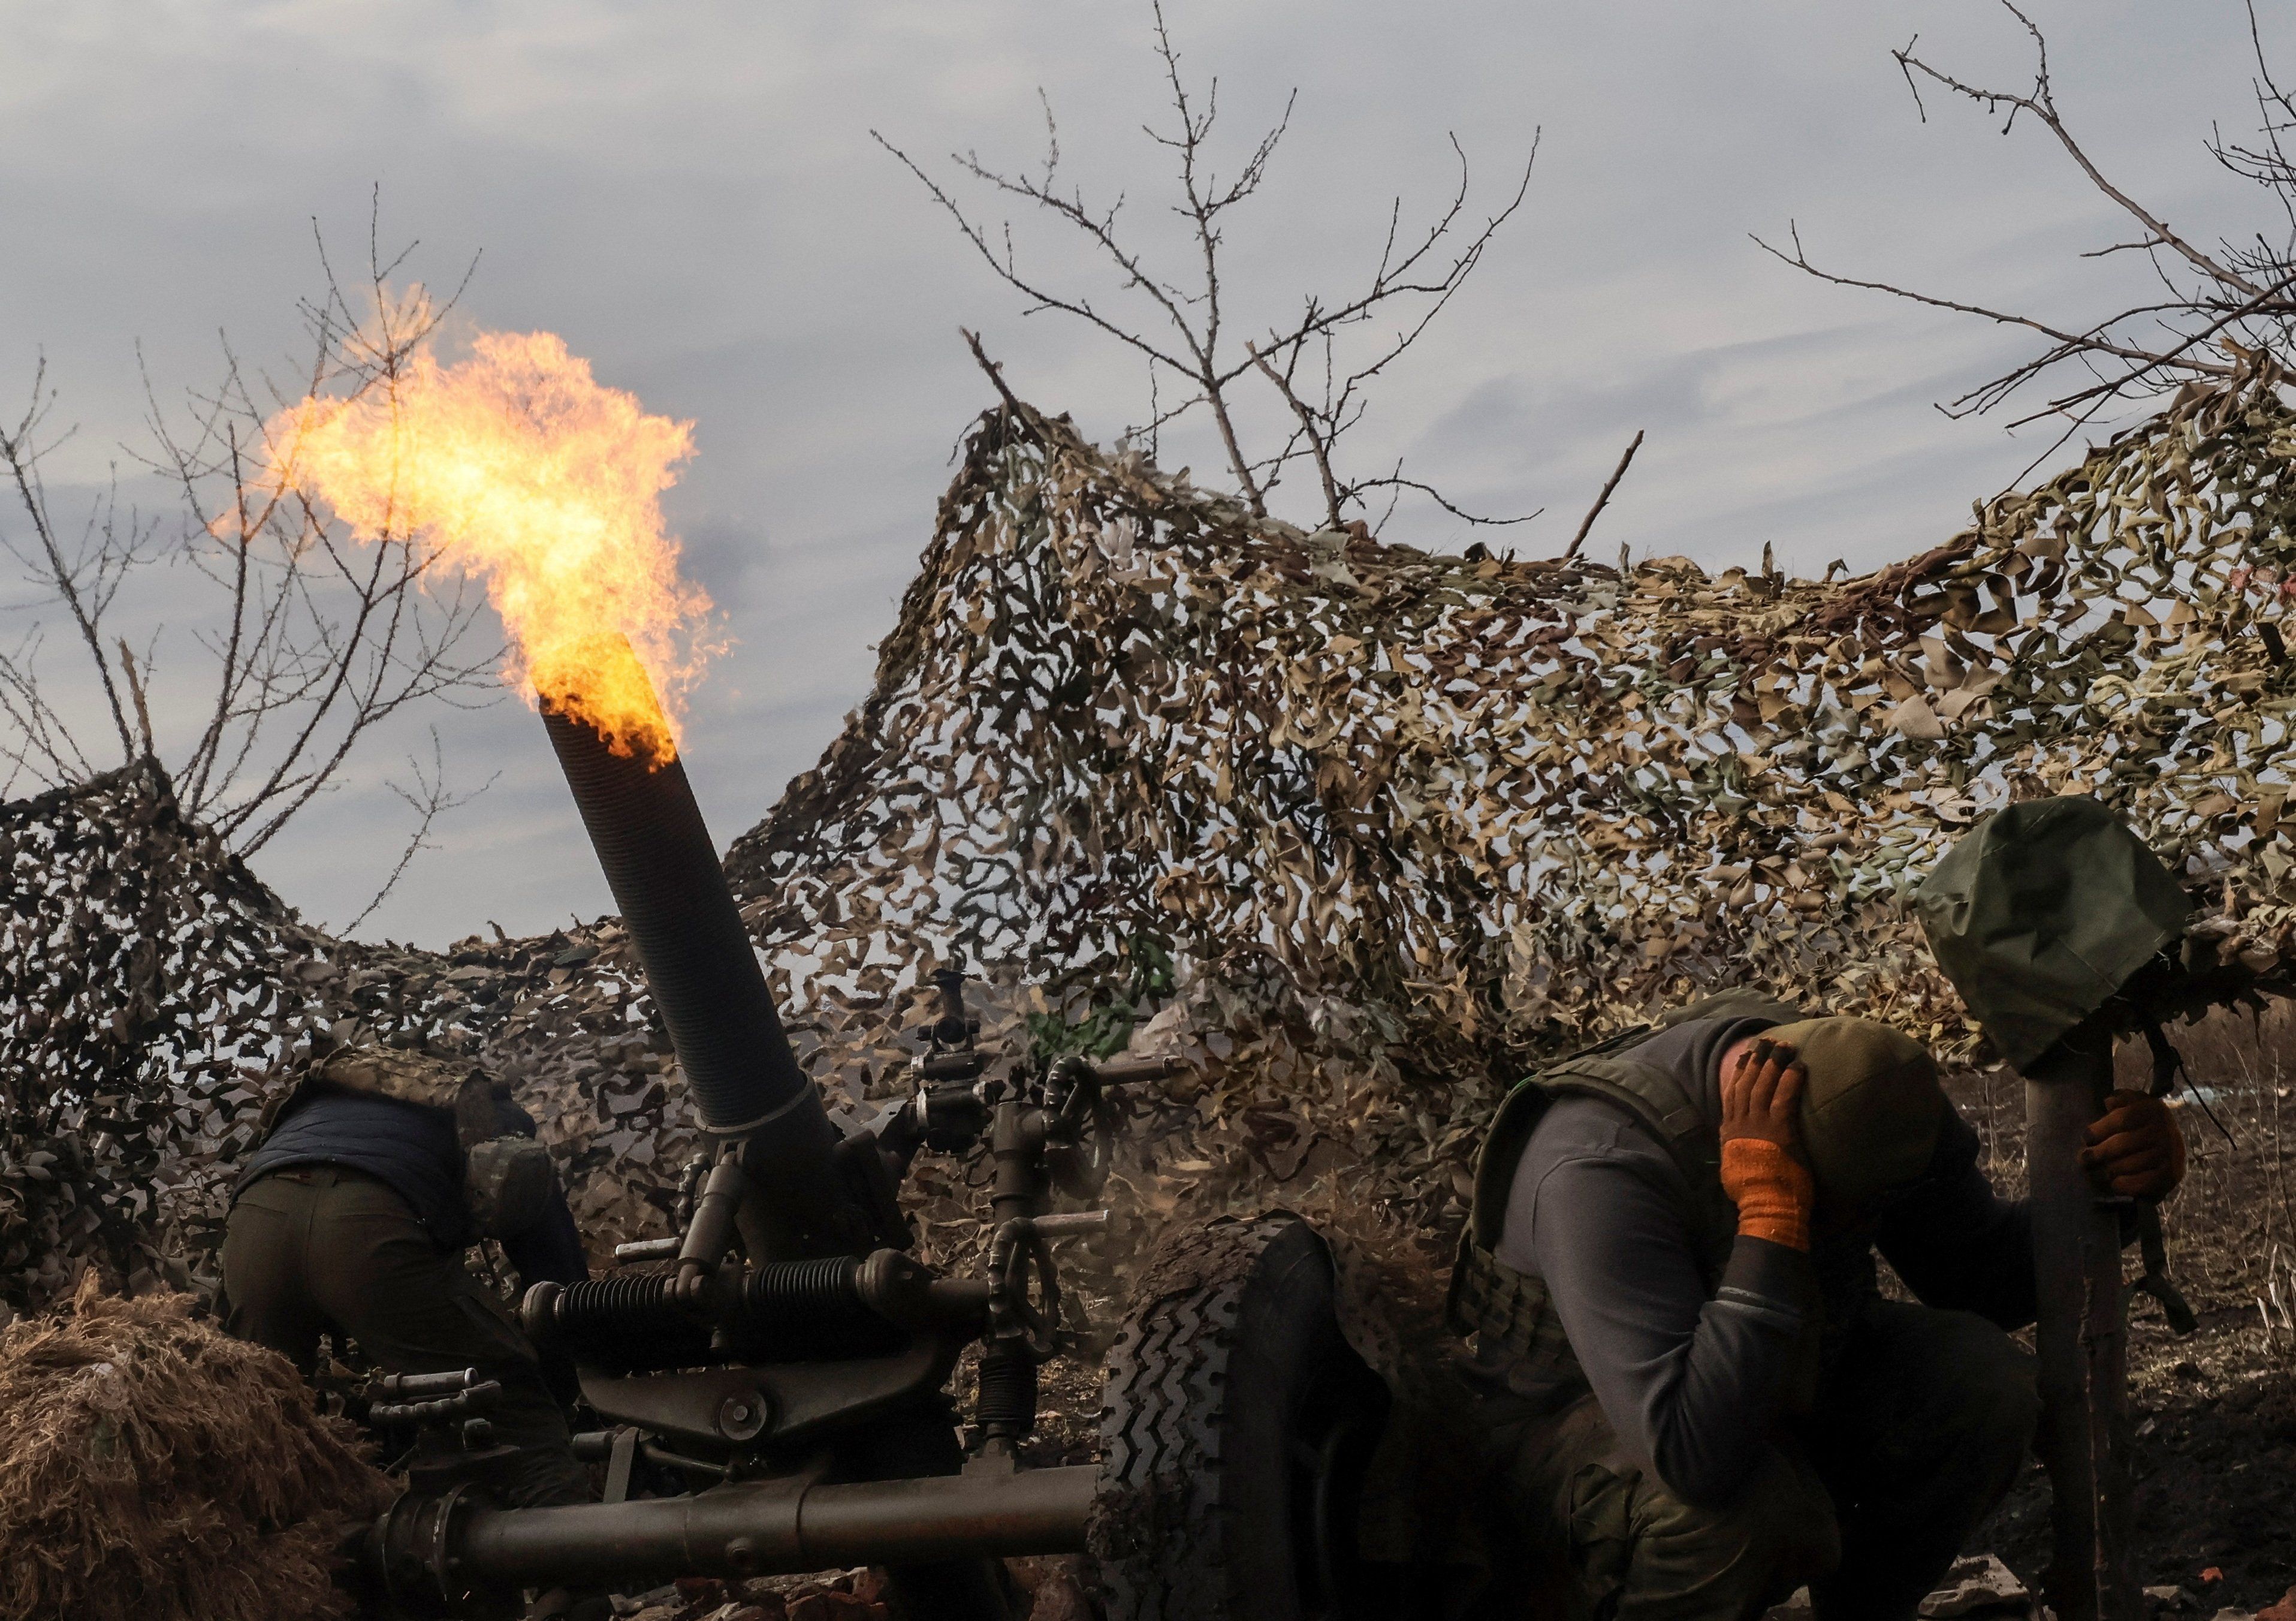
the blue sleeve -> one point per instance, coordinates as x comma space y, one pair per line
551, 1250
1959, 1245
1691, 1382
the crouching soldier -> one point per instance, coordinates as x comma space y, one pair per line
352, 1217
1696, 1397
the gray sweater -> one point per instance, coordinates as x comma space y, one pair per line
1693, 1371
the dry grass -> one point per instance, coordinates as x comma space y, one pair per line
151, 1469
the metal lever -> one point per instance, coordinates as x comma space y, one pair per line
648, 1249
466, 1404
1131, 1071
395, 1386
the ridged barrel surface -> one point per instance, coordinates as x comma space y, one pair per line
664, 872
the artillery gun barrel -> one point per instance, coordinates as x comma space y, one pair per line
664, 872
799, 1201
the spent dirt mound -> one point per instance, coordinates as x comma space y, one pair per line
151, 1469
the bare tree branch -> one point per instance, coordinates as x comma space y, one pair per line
1603, 500
1189, 318
430, 801
20, 450
310, 643
1318, 446
135, 690
2042, 104
995, 371
2236, 299
2090, 341
1396, 480
44, 744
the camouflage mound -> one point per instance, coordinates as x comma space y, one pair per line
151, 1469
1360, 829
154, 995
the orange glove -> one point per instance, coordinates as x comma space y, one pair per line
1772, 1189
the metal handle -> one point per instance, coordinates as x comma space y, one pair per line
648, 1249
465, 1403
1131, 1071
1072, 1224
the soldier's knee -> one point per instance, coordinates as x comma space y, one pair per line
1776, 1534
1998, 1405
545, 1477
1992, 1404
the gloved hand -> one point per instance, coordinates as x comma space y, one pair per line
1762, 1168
2136, 1149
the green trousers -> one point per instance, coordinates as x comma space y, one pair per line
1919, 1428
320, 1250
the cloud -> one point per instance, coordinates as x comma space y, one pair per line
690, 195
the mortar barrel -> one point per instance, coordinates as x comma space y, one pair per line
664, 872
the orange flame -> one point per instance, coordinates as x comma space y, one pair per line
518, 466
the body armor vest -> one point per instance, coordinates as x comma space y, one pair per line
507, 1182
1510, 1311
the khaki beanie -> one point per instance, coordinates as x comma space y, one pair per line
1871, 1109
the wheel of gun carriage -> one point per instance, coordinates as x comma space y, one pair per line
1236, 1427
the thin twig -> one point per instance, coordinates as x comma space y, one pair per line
22, 453
1317, 445
135, 691
995, 371
1189, 324
1603, 500
430, 801
1396, 480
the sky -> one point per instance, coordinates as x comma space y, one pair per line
691, 197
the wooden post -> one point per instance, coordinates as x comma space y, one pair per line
2082, 1333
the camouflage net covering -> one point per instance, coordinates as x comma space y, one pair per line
1362, 829
153, 996
141, 975
1408, 821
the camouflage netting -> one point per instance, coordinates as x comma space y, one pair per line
152, 991
1365, 829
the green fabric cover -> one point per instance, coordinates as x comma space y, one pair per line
2042, 912
1871, 1109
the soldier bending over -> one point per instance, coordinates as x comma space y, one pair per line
352, 1217
1696, 1398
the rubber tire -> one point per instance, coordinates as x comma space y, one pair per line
1234, 1411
